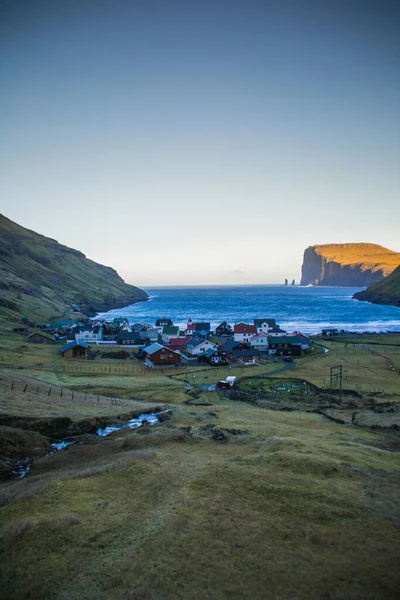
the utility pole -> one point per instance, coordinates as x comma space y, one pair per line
336, 373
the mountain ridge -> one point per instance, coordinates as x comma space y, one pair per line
350, 264
42, 279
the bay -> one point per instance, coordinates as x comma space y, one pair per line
307, 309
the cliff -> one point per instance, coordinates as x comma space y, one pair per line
354, 265
42, 279
386, 291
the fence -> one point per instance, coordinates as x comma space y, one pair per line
51, 392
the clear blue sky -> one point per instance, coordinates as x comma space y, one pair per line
201, 142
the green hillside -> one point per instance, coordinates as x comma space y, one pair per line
41, 279
386, 291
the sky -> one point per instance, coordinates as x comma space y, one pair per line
201, 142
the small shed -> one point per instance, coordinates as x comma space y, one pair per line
40, 337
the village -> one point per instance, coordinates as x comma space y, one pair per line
166, 345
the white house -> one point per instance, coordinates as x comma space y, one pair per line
201, 347
88, 335
242, 332
259, 341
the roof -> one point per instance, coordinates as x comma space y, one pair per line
285, 339
277, 329
259, 322
74, 344
244, 328
178, 342
170, 329
240, 353
229, 346
42, 334
208, 353
196, 341
259, 335
153, 348
224, 324
128, 335
201, 326
138, 327
163, 321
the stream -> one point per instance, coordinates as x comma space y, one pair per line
24, 465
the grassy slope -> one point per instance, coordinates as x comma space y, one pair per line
296, 507
43, 277
387, 288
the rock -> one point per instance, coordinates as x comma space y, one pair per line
218, 436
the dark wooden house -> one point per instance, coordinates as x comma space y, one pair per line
75, 350
40, 337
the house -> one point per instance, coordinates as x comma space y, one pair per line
285, 345
149, 333
228, 347
194, 347
75, 350
224, 329
242, 332
306, 343
89, 334
20, 330
129, 338
247, 356
330, 332
264, 325
170, 332
190, 327
137, 327
157, 355
202, 328
41, 337
197, 328
164, 322
212, 357
259, 341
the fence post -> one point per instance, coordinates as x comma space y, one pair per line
26, 387
49, 392
12, 385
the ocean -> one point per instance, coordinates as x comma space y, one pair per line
306, 309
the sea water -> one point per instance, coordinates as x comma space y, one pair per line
306, 309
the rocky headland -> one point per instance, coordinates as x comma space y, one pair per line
42, 279
353, 265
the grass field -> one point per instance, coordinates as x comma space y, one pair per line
294, 508
366, 368
289, 506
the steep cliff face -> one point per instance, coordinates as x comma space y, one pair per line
40, 278
386, 291
353, 265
